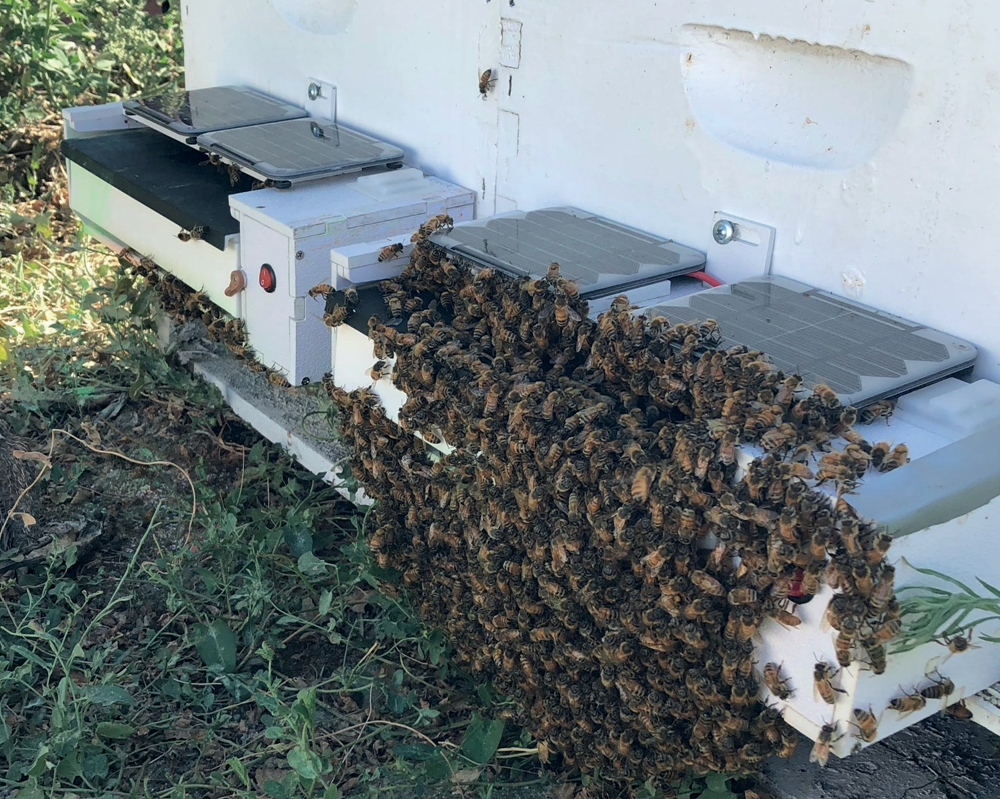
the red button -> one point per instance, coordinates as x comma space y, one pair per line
267, 280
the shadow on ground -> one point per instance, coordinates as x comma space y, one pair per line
939, 758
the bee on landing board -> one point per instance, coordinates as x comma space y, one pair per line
866, 723
821, 749
823, 675
777, 684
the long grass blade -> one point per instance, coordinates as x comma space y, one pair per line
988, 587
941, 576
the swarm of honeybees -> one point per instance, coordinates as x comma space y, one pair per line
586, 544
184, 304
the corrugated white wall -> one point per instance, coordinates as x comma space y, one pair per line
865, 132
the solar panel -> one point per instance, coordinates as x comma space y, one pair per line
191, 113
300, 149
862, 354
601, 256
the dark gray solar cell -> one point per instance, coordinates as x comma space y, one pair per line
300, 149
601, 256
862, 354
202, 110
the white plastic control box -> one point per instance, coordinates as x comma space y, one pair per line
286, 237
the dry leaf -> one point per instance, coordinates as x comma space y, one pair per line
465, 775
26, 518
81, 496
543, 751
357, 600
263, 775
566, 790
93, 437
41, 457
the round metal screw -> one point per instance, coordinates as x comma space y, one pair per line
314, 91
724, 231
299, 255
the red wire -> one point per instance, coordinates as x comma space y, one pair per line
705, 278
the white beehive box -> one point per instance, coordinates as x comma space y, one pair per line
291, 233
121, 220
353, 359
941, 508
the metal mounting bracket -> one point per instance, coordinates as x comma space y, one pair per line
740, 248
320, 99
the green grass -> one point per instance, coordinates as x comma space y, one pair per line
261, 652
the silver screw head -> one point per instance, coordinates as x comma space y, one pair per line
314, 91
723, 232
299, 255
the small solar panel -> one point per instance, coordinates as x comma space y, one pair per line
602, 257
198, 111
299, 149
862, 354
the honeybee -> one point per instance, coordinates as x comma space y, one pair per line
184, 235
885, 632
843, 646
197, 232
234, 174
379, 370
742, 596
876, 657
823, 675
821, 749
486, 81
351, 296
879, 453
867, 724
785, 618
256, 366
390, 252
336, 316
278, 379
959, 711
707, 583
563, 313
642, 483
958, 644
775, 683
899, 456
321, 288
239, 350
877, 410
787, 391
826, 395
787, 525
907, 703
941, 688
783, 435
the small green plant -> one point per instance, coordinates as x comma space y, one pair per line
930, 613
58, 51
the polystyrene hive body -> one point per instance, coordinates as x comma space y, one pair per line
291, 233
